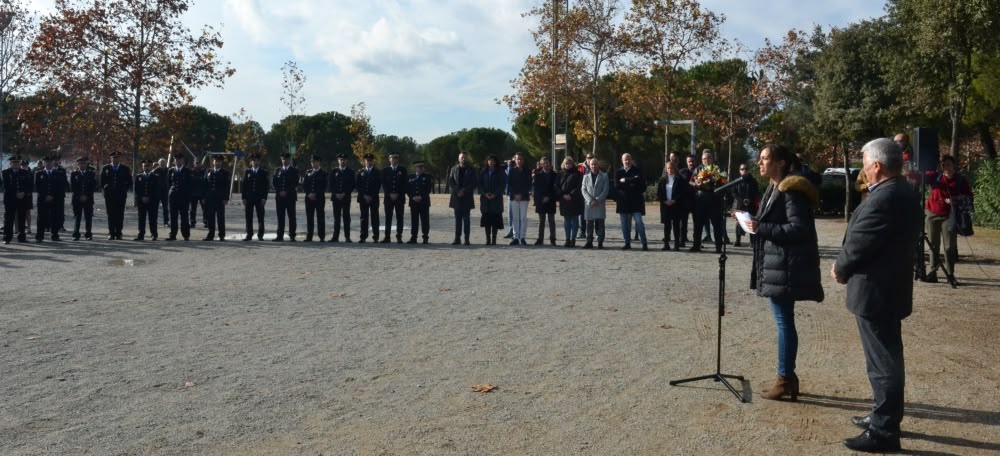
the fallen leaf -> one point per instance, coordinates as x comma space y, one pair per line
128, 342
611, 309
484, 388
444, 289
188, 384
225, 323
337, 295
666, 326
555, 295
31, 338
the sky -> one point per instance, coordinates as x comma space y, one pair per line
424, 68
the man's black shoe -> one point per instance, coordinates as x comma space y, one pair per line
171, 238
645, 247
862, 421
412, 240
627, 247
870, 442
694, 249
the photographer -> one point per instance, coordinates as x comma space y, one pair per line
947, 188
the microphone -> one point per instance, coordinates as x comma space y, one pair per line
731, 184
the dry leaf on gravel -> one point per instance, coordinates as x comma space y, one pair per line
337, 295
484, 388
31, 338
444, 289
128, 342
666, 326
611, 309
188, 384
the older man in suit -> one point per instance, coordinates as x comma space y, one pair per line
876, 263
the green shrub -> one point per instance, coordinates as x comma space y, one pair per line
987, 194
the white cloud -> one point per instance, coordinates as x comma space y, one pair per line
424, 67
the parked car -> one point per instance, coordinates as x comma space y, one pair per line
831, 191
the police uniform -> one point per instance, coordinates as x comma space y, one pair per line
161, 178
83, 184
116, 181
419, 185
179, 196
255, 188
50, 186
216, 198
198, 195
147, 200
314, 186
394, 182
16, 181
368, 184
285, 179
341, 183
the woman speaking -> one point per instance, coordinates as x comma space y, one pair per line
785, 256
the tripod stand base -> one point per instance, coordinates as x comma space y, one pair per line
716, 377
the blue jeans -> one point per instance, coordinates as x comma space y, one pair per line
788, 338
626, 220
571, 225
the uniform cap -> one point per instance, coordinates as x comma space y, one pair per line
418, 163
341, 155
286, 155
316, 158
369, 156
82, 159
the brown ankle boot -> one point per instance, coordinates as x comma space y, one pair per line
782, 386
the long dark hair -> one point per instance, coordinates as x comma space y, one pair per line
782, 153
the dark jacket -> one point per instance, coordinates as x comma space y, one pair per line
420, 185
83, 184
217, 185
519, 183
286, 180
255, 185
631, 193
878, 254
316, 182
17, 181
543, 185
52, 183
745, 195
463, 179
341, 181
197, 183
680, 193
368, 183
147, 187
180, 186
570, 184
161, 176
395, 182
785, 249
494, 184
116, 183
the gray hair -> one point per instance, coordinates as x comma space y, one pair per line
886, 152
708, 152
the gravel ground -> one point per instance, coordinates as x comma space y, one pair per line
113, 348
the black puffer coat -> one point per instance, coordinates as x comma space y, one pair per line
785, 250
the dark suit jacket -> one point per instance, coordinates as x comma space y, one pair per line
53, 185
180, 186
255, 185
116, 183
368, 183
630, 194
217, 185
879, 252
315, 182
83, 184
341, 181
395, 182
286, 181
148, 187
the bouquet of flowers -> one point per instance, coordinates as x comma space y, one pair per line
709, 178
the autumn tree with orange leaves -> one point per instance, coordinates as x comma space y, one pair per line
133, 58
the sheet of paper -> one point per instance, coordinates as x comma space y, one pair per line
744, 219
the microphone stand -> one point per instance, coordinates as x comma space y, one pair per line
718, 376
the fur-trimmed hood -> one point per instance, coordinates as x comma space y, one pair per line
802, 185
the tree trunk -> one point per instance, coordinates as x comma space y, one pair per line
986, 137
956, 120
593, 149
